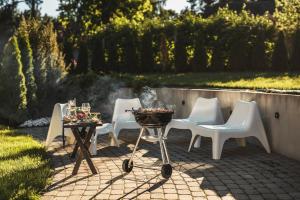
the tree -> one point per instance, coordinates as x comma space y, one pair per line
13, 87
49, 65
87, 17
295, 58
27, 62
280, 55
82, 62
34, 6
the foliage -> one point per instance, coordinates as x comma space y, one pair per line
287, 15
13, 88
88, 17
147, 54
180, 53
28, 68
295, 57
200, 58
49, 66
280, 54
83, 62
258, 57
98, 56
24, 168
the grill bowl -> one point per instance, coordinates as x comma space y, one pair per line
153, 118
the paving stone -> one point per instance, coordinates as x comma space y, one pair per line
238, 175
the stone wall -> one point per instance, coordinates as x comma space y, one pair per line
283, 132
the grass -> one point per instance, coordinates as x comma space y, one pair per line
24, 167
238, 80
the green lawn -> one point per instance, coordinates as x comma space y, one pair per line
255, 80
24, 167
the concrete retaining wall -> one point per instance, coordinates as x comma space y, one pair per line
283, 133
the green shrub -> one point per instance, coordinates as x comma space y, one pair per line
28, 68
258, 57
280, 54
129, 55
238, 55
295, 58
69, 58
98, 58
49, 65
147, 54
164, 54
200, 57
83, 59
180, 51
13, 86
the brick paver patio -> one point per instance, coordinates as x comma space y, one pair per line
242, 173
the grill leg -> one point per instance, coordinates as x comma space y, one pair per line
162, 148
137, 144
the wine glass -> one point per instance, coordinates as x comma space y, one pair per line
72, 107
86, 108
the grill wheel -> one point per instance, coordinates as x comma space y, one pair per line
126, 166
166, 171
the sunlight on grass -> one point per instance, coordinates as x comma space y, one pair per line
243, 80
24, 169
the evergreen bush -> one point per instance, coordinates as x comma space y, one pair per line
13, 84
180, 53
130, 56
295, 57
147, 54
258, 55
280, 54
27, 63
200, 58
83, 59
98, 58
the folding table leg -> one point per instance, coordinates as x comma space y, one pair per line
84, 147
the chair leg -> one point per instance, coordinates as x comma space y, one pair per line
191, 142
93, 147
114, 140
264, 141
217, 144
197, 143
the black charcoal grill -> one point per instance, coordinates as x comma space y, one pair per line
157, 119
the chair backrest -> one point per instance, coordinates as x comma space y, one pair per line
207, 111
63, 109
243, 114
125, 104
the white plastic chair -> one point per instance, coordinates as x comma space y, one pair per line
205, 111
120, 120
56, 125
244, 121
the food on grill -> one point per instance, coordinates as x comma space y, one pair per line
155, 110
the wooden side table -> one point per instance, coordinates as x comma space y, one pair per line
83, 142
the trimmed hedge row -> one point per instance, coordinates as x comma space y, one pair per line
226, 41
